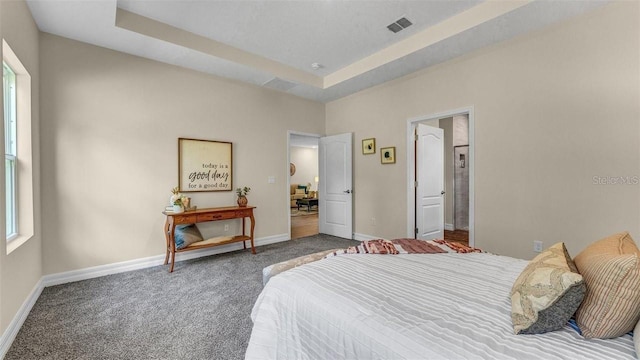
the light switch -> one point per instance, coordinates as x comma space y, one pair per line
271, 180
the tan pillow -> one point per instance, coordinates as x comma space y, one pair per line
300, 192
547, 292
611, 270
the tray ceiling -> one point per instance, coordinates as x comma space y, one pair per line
259, 41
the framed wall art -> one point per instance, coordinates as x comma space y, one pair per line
388, 155
204, 165
369, 146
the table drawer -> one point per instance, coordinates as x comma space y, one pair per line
243, 213
216, 216
184, 219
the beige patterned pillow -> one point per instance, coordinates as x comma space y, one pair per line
547, 292
611, 270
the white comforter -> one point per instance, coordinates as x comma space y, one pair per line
435, 306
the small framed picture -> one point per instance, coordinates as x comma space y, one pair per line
369, 146
388, 155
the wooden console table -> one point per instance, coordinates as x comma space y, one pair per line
205, 215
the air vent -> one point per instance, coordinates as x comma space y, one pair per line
279, 84
394, 27
400, 24
404, 22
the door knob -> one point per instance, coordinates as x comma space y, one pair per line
347, 191
442, 192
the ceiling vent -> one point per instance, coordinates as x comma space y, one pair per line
399, 25
279, 84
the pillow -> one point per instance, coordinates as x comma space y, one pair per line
186, 235
547, 292
611, 270
304, 187
300, 191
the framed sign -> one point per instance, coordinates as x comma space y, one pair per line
204, 165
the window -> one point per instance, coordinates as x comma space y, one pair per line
18, 150
10, 153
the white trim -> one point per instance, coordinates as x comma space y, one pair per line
411, 124
136, 264
363, 237
448, 227
12, 330
24, 148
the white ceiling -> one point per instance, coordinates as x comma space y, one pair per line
255, 41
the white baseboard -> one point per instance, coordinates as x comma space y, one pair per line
449, 227
136, 264
12, 330
363, 237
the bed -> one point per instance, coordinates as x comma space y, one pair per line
407, 306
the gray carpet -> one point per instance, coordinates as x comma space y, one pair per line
201, 311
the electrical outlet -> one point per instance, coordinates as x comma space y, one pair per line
271, 180
226, 227
537, 246
373, 221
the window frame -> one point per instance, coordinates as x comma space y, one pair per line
24, 165
10, 107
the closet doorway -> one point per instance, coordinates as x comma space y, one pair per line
457, 192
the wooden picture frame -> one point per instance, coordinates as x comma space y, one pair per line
204, 165
388, 155
369, 146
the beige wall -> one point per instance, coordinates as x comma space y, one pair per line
110, 152
306, 161
21, 269
553, 109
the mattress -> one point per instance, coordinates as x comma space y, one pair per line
407, 306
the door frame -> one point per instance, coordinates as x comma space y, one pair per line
288, 176
453, 186
411, 167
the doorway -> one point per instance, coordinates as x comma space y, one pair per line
303, 185
458, 160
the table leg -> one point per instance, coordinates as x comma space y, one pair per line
166, 236
253, 225
244, 243
172, 245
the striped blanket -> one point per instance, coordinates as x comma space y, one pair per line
406, 246
379, 246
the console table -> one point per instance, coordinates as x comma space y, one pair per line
205, 215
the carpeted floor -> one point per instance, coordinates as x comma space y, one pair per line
201, 311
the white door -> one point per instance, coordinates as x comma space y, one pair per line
430, 189
335, 195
